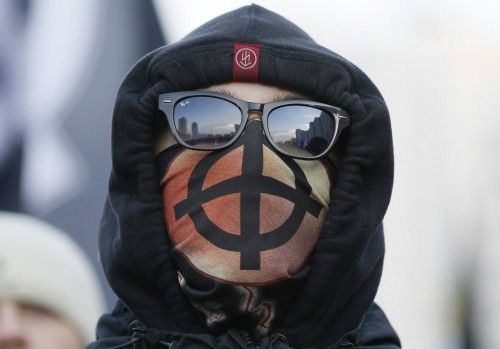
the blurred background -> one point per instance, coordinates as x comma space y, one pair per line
436, 64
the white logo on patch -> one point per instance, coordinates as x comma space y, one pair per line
245, 58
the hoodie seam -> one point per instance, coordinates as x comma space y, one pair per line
383, 148
250, 19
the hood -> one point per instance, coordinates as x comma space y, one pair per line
346, 263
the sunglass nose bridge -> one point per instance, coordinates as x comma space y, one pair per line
255, 106
255, 111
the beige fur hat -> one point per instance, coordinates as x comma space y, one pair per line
40, 264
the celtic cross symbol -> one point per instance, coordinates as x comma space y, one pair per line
251, 184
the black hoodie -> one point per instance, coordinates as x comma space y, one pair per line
333, 308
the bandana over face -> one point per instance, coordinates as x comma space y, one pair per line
242, 222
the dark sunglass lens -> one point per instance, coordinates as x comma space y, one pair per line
206, 122
300, 130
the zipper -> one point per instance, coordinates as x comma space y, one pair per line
149, 337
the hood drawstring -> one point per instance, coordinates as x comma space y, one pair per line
147, 337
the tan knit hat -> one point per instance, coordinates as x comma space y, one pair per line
42, 265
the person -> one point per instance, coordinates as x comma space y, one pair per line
251, 171
49, 295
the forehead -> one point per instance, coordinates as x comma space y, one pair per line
254, 92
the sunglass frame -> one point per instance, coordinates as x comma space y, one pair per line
168, 101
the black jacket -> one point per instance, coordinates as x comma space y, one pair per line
334, 307
122, 329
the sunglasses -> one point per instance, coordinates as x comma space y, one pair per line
206, 120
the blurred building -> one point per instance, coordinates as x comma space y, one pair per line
183, 126
194, 130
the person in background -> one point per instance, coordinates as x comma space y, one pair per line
49, 295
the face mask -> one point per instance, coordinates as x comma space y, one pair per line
241, 218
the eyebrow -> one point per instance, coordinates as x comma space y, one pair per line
278, 97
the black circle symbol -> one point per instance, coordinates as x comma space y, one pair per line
251, 184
